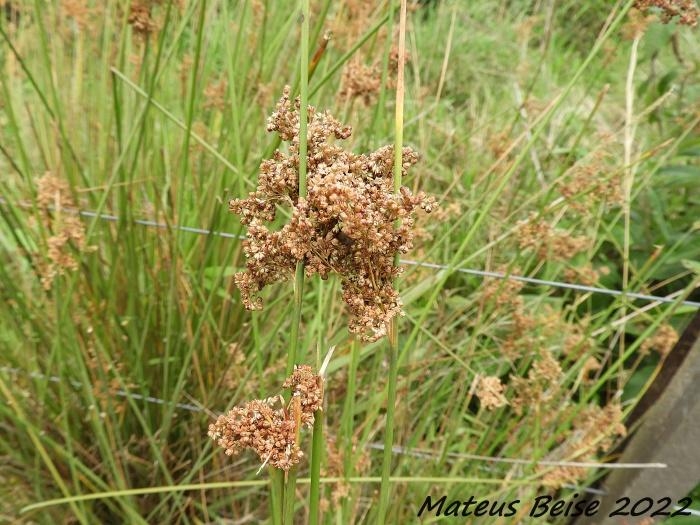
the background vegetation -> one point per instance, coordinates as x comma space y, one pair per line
560, 139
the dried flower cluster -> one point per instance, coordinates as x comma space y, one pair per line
590, 365
589, 184
272, 432
541, 386
548, 242
106, 382
662, 341
489, 390
685, 11
546, 369
544, 329
585, 274
269, 431
595, 429
67, 231
235, 366
308, 387
352, 20
637, 23
335, 468
215, 95
78, 10
360, 81
140, 18
501, 292
347, 224
365, 81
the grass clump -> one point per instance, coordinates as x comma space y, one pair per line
560, 151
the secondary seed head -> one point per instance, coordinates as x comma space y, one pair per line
269, 429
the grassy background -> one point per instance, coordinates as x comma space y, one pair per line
507, 102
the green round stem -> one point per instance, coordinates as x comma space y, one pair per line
393, 350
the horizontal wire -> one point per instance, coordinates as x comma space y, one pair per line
378, 446
557, 284
120, 393
408, 262
516, 461
154, 224
426, 454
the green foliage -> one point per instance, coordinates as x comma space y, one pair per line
506, 101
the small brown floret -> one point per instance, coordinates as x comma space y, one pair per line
685, 11
662, 341
140, 18
548, 242
490, 392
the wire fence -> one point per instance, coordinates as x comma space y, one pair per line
435, 266
397, 449
672, 298
227, 235
427, 454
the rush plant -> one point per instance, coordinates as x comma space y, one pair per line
349, 216
539, 300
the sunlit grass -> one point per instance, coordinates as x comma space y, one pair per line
134, 128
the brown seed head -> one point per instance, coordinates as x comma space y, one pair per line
684, 11
268, 429
347, 224
490, 392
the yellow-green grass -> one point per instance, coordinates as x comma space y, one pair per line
128, 123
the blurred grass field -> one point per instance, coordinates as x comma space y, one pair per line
561, 140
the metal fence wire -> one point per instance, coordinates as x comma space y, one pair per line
408, 262
672, 298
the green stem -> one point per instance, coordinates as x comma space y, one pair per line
316, 454
296, 318
393, 357
349, 419
393, 350
276, 495
304, 96
349, 410
290, 485
292, 356
289, 496
317, 441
